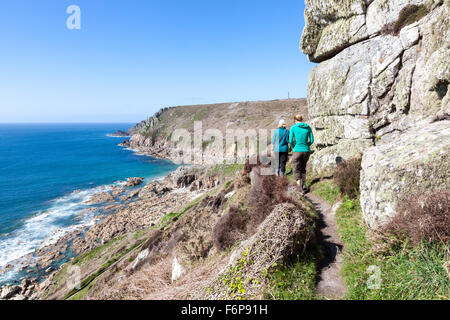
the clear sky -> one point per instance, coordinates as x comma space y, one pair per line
132, 57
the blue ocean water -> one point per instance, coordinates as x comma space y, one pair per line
47, 171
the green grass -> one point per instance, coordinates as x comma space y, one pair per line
82, 293
405, 272
295, 281
169, 218
225, 170
140, 233
95, 252
87, 283
327, 190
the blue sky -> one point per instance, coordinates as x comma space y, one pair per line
132, 57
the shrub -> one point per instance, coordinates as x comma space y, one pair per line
265, 194
230, 228
249, 167
347, 176
422, 217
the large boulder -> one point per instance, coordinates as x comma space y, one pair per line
401, 165
9, 292
182, 177
333, 25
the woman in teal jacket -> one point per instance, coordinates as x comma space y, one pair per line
280, 140
301, 138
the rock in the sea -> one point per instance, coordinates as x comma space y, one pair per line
133, 182
120, 133
125, 143
408, 162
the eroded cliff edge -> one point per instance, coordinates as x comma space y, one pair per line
381, 90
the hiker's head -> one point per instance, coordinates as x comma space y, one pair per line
282, 123
298, 118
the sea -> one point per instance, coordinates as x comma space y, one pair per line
48, 171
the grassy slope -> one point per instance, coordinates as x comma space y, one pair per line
405, 272
293, 281
243, 115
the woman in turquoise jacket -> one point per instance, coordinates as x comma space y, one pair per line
280, 140
301, 138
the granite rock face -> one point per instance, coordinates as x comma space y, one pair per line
384, 71
411, 161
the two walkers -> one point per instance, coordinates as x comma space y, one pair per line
300, 138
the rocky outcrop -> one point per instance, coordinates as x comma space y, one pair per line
379, 85
119, 133
194, 177
384, 71
125, 144
24, 291
417, 159
149, 123
182, 177
133, 182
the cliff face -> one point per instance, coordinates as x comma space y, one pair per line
383, 76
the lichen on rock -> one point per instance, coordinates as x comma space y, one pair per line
408, 162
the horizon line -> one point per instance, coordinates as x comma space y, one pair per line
64, 122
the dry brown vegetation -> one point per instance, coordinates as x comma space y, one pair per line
243, 220
407, 15
230, 228
423, 217
347, 176
262, 210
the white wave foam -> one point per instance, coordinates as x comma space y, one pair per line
66, 214
47, 227
110, 135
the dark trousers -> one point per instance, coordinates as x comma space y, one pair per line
281, 159
299, 162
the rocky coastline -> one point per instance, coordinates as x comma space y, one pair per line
120, 210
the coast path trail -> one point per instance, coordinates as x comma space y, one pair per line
330, 284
